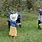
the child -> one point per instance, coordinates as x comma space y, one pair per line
9, 12
19, 16
40, 18
13, 31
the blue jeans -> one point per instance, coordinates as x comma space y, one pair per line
13, 23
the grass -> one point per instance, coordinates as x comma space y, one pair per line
27, 33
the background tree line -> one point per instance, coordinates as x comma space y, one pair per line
25, 4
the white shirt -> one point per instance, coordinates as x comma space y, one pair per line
13, 17
39, 17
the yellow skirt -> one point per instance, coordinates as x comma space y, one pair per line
13, 31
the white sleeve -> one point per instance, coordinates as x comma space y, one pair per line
11, 17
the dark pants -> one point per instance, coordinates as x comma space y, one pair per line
8, 24
38, 24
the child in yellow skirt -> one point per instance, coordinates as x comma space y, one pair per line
13, 30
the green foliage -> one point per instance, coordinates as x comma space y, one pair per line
29, 4
25, 4
37, 4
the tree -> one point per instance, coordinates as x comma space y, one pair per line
29, 4
37, 4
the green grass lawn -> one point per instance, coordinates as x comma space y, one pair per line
27, 33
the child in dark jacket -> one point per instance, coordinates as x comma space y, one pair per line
40, 17
19, 16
